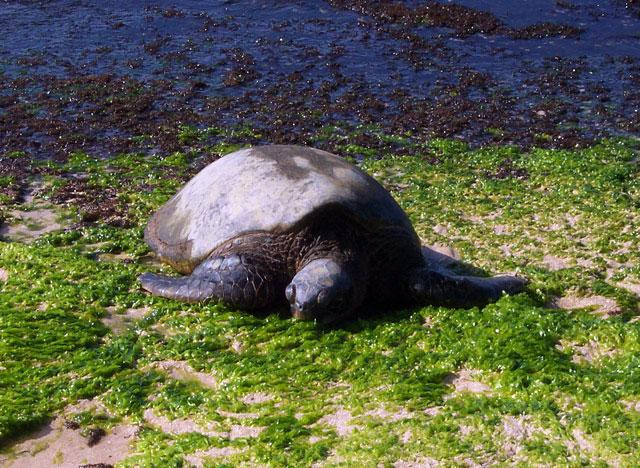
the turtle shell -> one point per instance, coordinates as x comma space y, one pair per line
264, 188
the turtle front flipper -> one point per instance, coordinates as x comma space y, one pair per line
444, 289
234, 279
184, 288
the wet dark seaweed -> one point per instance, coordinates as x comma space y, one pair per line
94, 435
71, 425
93, 203
120, 103
542, 30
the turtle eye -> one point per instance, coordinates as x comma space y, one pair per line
417, 288
323, 297
290, 293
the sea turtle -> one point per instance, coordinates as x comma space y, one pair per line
273, 223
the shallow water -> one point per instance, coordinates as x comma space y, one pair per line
74, 33
254, 49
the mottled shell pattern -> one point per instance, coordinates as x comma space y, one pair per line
265, 188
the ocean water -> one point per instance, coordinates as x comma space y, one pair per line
266, 42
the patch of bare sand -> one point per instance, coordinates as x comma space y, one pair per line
585, 263
580, 442
256, 398
239, 431
118, 322
428, 322
517, 428
553, 263
391, 416
506, 250
441, 229
590, 352
181, 370
422, 462
625, 248
58, 445
633, 288
94, 406
339, 385
464, 381
120, 257
237, 346
232, 415
614, 267
602, 305
501, 230
338, 390
340, 421
476, 219
181, 425
164, 330
198, 459
26, 226
433, 411
632, 405
187, 425
554, 227
516, 431
334, 459
572, 220
245, 432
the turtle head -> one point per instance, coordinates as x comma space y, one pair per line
323, 291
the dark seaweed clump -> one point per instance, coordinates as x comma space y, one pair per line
542, 30
93, 203
95, 435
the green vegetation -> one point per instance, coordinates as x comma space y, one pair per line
548, 385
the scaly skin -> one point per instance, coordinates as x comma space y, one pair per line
236, 279
326, 268
252, 271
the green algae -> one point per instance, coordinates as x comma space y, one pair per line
574, 205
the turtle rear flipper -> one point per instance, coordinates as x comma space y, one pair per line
234, 279
440, 288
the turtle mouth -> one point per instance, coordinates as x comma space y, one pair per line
300, 314
326, 318
297, 310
